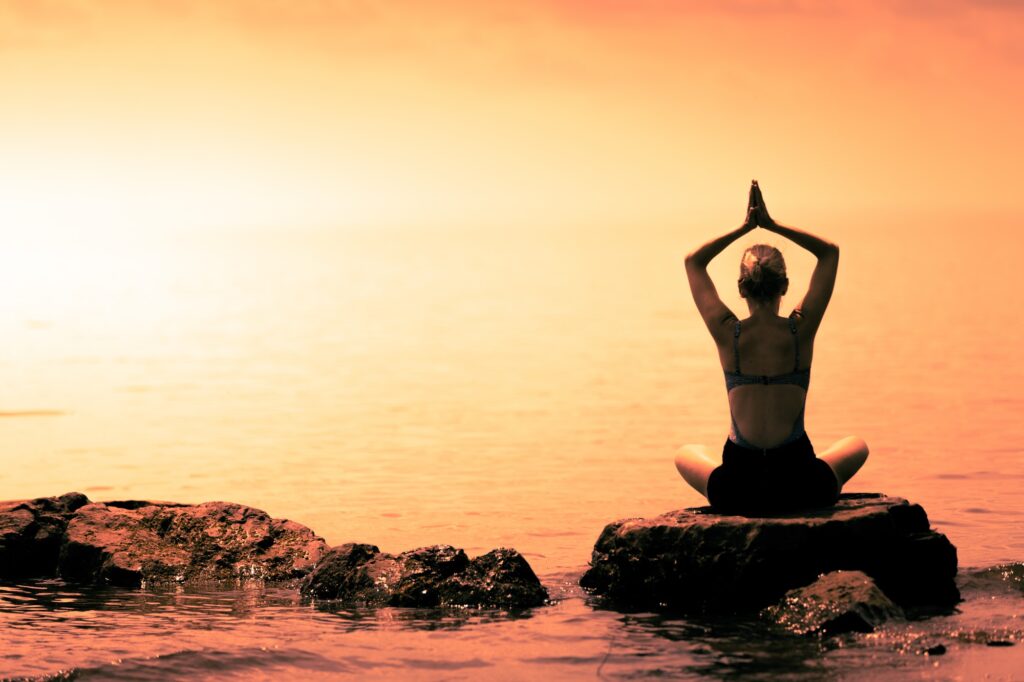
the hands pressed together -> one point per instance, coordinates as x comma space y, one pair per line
757, 212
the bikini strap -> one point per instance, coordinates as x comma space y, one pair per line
796, 341
736, 346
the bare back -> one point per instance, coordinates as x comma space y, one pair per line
767, 414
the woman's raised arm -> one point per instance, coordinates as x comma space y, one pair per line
715, 313
823, 279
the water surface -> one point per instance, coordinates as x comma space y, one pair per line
481, 389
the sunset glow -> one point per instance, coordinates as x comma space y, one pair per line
141, 115
420, 273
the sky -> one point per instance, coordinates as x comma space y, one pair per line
178, 114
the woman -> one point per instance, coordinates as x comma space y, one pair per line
768, 463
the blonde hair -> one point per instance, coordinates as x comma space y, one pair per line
762, 273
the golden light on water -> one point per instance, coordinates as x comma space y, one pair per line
426, 181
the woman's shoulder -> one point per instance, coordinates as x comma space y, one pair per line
802, 326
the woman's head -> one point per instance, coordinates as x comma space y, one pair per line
762, 273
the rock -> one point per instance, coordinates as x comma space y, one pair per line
430, 576
31, 533
837, 602
130, 543
696, 559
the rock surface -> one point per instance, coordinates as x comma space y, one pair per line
837, 602
133, 542
430, 576
31, 533
696, 559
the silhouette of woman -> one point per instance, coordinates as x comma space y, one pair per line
768, 463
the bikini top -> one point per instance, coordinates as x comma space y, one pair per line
798, 377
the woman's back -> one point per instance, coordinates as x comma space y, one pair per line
767, 370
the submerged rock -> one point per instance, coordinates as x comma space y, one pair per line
430, 576
837, 602
132, 542
693, 558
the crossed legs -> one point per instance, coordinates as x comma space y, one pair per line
846, 456
696, 462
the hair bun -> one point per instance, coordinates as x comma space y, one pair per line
762, 272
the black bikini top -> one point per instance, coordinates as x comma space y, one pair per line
798, 377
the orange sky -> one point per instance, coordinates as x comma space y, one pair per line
184, 113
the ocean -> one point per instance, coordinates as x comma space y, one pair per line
483, 387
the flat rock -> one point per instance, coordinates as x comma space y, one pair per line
133, 542
427, 577
696, 559
835, 603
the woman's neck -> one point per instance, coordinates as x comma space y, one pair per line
763, 309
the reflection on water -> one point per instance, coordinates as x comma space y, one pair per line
474, 389
258, 632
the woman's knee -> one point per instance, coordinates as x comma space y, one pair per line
695, 465
858, 448
688, 452
846, 457
855, 443
694, 458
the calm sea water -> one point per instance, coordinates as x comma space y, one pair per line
486, 388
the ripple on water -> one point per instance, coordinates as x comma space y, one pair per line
259, 632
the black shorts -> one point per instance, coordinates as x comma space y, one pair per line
781, 479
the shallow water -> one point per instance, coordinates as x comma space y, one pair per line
268, 633
411, 387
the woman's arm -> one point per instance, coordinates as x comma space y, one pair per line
823, 279
714, 312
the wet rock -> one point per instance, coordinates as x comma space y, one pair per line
130, 543
837, 602
999, 578
696, 559
31, 533
427, 577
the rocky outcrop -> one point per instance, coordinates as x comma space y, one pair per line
134, 542
430, 576
128, 543
31, 534
835, 603
696, 559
